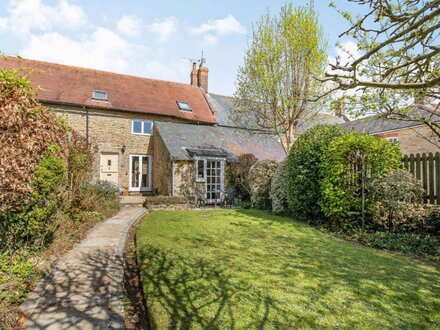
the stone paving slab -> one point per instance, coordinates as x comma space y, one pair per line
84, 290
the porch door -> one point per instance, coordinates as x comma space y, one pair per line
214, 180
140, 173
109, 167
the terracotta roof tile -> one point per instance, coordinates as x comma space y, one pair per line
74, 85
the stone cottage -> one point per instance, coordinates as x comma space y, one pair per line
412, 136
153, 136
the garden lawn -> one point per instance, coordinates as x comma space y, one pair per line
247, 269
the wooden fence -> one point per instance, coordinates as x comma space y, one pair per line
426, 168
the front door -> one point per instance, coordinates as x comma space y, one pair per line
140, 173
214, 180
109, 167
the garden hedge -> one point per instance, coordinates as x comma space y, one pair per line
341, 175
303, 172
278, 190
260, 178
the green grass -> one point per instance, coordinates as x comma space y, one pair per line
246, 269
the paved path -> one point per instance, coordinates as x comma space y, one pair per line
84, 290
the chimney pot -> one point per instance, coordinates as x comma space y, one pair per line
194, 76
202, 76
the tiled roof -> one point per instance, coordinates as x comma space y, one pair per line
178, 138
224, 105
317, 119
74, 85
374, 124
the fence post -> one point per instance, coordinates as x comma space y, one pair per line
425, 176
437, 176
418, 174
431, 178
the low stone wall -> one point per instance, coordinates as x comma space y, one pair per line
176, 207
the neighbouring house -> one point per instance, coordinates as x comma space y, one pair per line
412, 136
153, 136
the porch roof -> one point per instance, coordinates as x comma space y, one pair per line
180, 139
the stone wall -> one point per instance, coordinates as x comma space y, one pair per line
414, 140
111, 130
162, 166
184, 178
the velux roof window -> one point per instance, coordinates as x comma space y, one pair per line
184, 106
99, 95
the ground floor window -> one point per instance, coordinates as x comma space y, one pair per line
140, 173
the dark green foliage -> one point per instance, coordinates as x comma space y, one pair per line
426, 246
341, 170
433, 222
303, 172
278, 191
260, 178
398, 205
36, 222
238, 175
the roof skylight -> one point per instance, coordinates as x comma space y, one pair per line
184, 106
99, 95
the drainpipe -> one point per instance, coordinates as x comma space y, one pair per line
172, 178
87, 123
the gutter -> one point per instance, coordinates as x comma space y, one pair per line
122, 110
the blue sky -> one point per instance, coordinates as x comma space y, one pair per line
154, 39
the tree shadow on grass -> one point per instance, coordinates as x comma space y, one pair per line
395, 287
184, 293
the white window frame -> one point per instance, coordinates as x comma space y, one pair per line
100, 99
205, 161
143, 121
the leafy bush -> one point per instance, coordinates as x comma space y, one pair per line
80, 161
278, 190
341, 170
260, 178
303, 172
423, 245
36, 222
28, 130
100, 197
238, 174
432, 224
398, 197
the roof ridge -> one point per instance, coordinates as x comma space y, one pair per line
99, 71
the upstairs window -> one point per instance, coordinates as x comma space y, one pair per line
99, 95
142, 127
184, 106
393, 139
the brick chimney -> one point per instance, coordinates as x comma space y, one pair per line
193, 76
202, 76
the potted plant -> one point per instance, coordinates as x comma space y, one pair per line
125, 191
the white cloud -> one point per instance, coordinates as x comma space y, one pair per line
167, 68
130, 25
163, 29
103, 49
210, 39
32, 15
227, 25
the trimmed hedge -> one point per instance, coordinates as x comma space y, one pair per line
341, 175
260, 178
278, 191
303, 172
